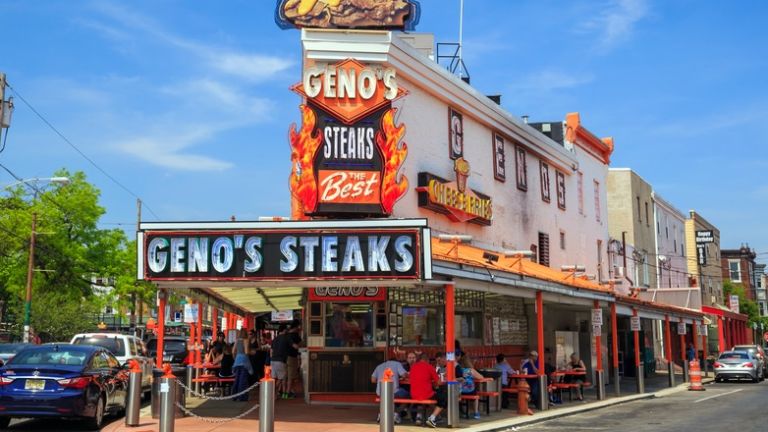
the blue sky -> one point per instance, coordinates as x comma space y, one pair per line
187, 102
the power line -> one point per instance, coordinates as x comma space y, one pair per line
80, 152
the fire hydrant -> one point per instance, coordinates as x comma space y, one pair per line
523, 391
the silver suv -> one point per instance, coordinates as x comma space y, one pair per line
124, 347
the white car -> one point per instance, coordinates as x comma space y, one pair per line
124, 347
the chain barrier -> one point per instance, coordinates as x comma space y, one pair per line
203, 396
217, 420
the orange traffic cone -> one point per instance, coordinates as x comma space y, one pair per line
695, 374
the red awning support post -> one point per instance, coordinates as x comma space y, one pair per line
453, 386
639, 368
695, 336
162, 296
599, 372
668, 351
214, 323
615, 349
543, 396
199, 343
720, 334
705, 347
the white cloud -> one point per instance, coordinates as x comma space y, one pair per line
248, 66
713, 123
167, 151
616, 23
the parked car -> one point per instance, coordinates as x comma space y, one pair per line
124, 347
737, 365
174, 349
70, 381
8, 350
759, 352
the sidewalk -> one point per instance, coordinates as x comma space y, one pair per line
296, 416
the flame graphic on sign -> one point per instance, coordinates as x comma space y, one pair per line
393, 155
304, 145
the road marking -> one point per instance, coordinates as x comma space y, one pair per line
717, 395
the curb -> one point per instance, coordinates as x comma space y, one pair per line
512, 424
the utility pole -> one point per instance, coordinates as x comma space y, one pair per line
138, 226
30, 278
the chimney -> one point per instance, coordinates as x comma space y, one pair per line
525, 119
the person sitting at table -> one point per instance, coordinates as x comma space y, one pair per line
549, 371
398, 373
530, 366
227, 360
214, 356
423, 379
410, 359
576, 365
506, 370
469, 375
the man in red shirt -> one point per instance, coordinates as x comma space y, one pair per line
423, 381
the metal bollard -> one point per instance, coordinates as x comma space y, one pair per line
190, 380
167, 401
600, 384
133, 400
616, 382
685, 371
499, 393
387, 402
671, 373
543, 401
454, 391
641, 378
267, 402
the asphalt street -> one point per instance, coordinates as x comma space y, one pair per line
724, 406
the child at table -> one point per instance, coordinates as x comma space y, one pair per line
469, 375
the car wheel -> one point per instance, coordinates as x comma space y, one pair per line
4, 422
98, 418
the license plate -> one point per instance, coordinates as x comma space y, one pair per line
34, 384
167, 358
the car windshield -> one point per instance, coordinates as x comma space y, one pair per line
113, 344
11, 348
172, 345
49, 356
738, 355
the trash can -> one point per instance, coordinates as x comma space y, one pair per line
181, 398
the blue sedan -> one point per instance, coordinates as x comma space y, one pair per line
72, 381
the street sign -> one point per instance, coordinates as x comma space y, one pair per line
704, 330
597, 317
733, 303
177, 317
705, 236
681, 329
282, 316
634, 323
190, 313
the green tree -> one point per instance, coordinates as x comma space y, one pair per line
746, 306
71, 250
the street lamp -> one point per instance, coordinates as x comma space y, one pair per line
31, 263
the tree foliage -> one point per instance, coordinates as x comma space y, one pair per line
746, 306
71, 249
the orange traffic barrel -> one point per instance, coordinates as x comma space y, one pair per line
695, 374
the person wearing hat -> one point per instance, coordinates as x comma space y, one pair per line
529, 366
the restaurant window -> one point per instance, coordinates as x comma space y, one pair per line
734, 266
349, 325
581, 192
597, 201
421, 325
544, 249
469, 325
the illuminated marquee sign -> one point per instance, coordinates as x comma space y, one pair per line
454, 199
347, 153
358, 14
283, 254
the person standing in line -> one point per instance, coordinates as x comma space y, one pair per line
292, 359
242, 366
